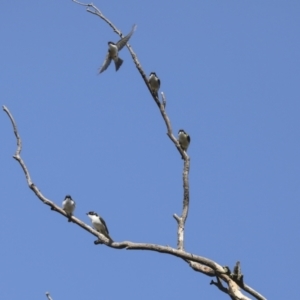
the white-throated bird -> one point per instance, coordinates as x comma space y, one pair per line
99, 224
68, 206
154, 83
183, 139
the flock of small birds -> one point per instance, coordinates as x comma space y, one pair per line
184, 139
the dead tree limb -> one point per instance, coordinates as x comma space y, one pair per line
201, 264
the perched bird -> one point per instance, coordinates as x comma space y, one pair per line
183, 139
154, 83
113, 51
68, 206
99, 224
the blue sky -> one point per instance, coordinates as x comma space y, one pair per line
230, 71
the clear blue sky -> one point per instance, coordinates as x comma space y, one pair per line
230, 71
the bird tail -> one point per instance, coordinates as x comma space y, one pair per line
69, 217
118, 63
110, 239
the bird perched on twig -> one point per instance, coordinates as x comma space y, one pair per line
68, 206
154, 83
183, 139
113, 51
99, 224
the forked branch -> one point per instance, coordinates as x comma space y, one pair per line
201, 264
91, 8
211, 266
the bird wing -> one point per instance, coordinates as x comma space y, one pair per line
104, 224
106, 63
188, 138
158, 81
123, 41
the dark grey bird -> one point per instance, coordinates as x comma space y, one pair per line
154, 83
68, 206
99, 224
183, 139
113, 51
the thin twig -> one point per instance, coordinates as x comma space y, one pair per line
164, 101
220, 286
19, 142
19, 147
186, 198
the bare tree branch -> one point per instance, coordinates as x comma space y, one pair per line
186, 198
203, 267
189, 257
101, 238
220, 286
91, 8
253, 292
235, 291
200, 264
164, 101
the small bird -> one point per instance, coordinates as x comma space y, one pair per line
113, 51
99, 224
68, 206
154, 83
183, 139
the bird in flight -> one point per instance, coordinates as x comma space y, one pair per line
113, 51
